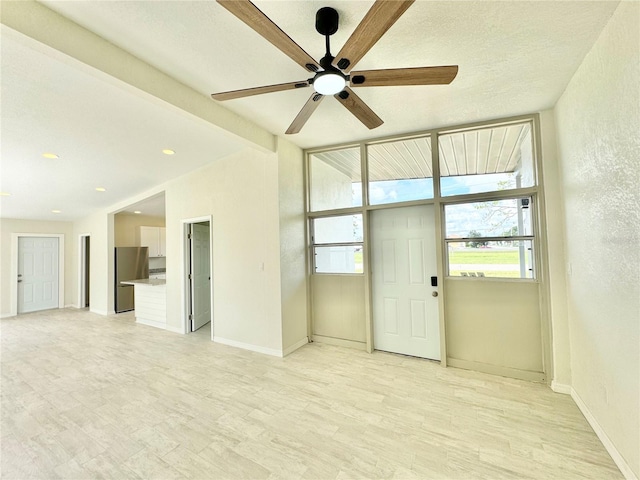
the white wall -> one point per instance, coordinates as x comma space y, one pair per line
554, 213
241, 193
257, 204
9, 226
494, 326
292, 245
598, 120
101, 295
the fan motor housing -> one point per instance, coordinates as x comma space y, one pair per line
327, 21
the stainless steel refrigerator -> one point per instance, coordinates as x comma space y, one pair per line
132, 263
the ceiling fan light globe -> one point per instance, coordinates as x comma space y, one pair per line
329, 83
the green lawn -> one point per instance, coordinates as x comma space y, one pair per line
484, 256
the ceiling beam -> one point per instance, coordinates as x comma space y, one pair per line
102, 58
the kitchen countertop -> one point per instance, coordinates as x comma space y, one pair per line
152, 282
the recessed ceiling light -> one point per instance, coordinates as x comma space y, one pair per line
50, 155
101, 189
5, 194
137, 212
56, 211
168, 151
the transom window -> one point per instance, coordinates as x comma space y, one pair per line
486, 159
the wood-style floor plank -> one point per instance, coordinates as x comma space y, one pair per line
84, 396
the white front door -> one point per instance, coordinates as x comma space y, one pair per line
405, 314
200, 276
37, 273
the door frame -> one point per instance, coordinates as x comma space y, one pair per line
13, 287
184, 268
82, 258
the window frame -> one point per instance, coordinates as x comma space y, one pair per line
313, 244
507, 195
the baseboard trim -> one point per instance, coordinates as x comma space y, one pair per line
151, 323
561, 387
295, 346
608, 444
104, 313
247, 346
339, 342
171, 329
7, 315
496, 370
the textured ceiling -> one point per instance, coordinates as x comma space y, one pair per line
514, 58
104, 137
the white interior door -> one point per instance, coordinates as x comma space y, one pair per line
405, 314
200, 276
37, 273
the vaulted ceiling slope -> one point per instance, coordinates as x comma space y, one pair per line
514, 58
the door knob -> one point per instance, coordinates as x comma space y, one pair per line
434, 294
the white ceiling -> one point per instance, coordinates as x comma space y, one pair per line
104, 136
514, 58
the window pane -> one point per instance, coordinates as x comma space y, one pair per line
400, 171
335, 179
343, 229
339, 259
499, 218
486, 160
504, 259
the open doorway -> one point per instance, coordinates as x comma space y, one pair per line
198, 275
85, 254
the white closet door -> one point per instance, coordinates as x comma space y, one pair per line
37, 273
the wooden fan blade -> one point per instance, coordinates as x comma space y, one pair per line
375, 23
258, 21
248, 92
404, 76
305, 113
360, 109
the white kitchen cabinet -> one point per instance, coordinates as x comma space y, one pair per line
155, 239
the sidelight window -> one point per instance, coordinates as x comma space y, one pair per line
490, 239
337, 244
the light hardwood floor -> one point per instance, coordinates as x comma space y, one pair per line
84, 396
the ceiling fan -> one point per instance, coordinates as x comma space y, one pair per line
333, 75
